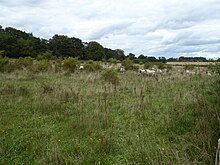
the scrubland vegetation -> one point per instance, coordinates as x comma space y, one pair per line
52, 113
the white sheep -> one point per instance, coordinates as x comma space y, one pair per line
81, 67
190, 72
208, 73
159, 71
122, 69
147, 72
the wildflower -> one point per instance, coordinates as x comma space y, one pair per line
163, 149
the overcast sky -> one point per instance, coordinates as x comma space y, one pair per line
169, 28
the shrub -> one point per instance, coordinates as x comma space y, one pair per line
189, 67
111, 76
214, 68
4, 64
70, 64
168, 67
148, 65
24, 62
44, 56
113, 60
161, 65
41, 66
128, 64
92, 65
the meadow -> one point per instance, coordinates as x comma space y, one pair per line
51, 117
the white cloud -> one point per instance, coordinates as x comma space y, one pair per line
169, 28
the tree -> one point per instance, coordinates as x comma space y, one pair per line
63, 46
151, 59
17, 44
94, 51
162, 59
25, 48
120, 54
142, 57
131, 56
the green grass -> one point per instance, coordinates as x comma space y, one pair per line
51, 118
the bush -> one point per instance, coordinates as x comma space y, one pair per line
24, 62
113, 60
214, 68
41, 66
148, 65
111, 76
92, 65
70, 64
161, 65
189, 67
44, 56
128, 64
168, 67
4, 64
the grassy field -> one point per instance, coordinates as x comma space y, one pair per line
78, 118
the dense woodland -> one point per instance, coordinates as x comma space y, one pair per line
15, 43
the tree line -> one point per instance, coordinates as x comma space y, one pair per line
15, 43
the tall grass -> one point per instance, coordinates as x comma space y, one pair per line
81, 119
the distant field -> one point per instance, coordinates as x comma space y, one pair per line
193, 63
53, 117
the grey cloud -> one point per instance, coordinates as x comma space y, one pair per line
153, 27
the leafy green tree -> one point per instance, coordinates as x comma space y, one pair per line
94, 51
63, 46
131, 56
17, 44
162, 59
25, 48
120, 55
152, 59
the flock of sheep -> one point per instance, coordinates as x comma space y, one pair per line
154, 71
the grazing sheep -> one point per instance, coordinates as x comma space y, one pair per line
159, 71
122, 69
147, 72
190, 72
142, 71
150, 72
208, 73
81, 67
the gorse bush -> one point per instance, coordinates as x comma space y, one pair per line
4, 63
168, 67
148, 65
189, 67
113, 60
111, 76
92, 65
128, 64
40, 66
24, 62
70, 64
161, 65
44, 56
